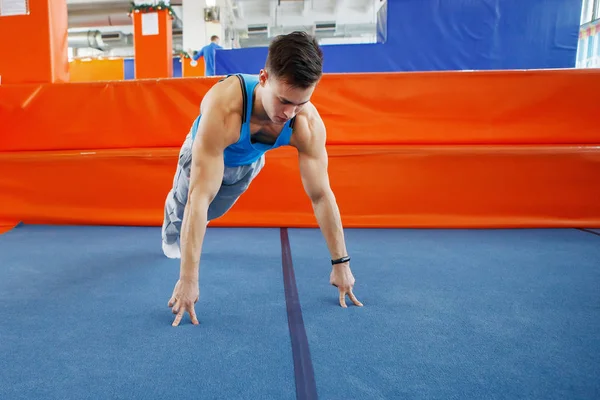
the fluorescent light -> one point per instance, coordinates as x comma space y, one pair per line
211, 3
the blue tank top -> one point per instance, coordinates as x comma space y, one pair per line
244, 152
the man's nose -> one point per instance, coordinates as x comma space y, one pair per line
290, 111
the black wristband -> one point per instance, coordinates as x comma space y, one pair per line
340, 260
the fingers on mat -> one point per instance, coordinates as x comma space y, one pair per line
343, 299
178, 318
354, 299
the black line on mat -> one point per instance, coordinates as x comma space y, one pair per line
306, 387
589, 231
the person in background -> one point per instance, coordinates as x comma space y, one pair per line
208, 52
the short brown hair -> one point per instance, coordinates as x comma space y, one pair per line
296, 59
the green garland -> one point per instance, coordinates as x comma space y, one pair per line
185, 54
148, 7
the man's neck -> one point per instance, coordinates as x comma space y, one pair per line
258, 111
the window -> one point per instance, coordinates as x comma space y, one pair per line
587, 11
579, 59
582, 49
597, 9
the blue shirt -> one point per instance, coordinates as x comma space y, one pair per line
209, 52
244, 152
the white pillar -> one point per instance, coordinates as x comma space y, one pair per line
215, 28
194, 27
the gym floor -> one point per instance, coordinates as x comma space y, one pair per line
448, 314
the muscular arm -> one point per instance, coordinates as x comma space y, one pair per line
206, 176
313, 161
219, 126
312, 154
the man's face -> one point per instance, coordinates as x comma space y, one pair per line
281, 101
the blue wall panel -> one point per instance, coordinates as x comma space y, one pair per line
177, 68
129, 68
434, 35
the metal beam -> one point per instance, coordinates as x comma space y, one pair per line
307, 7
338, 7
274, 12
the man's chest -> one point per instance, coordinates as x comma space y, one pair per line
263, 133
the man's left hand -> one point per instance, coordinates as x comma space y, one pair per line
342, 278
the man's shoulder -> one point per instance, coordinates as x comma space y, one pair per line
309, 120
309, 128
221, 109
225, 95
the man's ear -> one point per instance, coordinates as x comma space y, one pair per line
262, 77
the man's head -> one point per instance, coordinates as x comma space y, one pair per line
214, 39
294, 67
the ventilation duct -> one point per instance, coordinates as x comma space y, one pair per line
258, 30
106, 17
325, 26
106, 41
85, 19
117, 39
89, 39
325, 32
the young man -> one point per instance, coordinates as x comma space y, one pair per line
209, 52
241, 118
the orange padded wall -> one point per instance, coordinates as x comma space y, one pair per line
508, 107
482, 149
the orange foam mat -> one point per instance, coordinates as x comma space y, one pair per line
86, 70
377, 186
99, 115
5, 226
505, 107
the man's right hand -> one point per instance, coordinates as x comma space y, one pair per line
185, 295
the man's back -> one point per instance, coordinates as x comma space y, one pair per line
209, 53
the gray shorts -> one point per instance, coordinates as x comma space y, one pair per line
236, 181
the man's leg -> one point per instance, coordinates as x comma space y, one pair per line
236, 181
176, 201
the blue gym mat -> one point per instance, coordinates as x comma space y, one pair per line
448, 314
84, 315
455, 314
